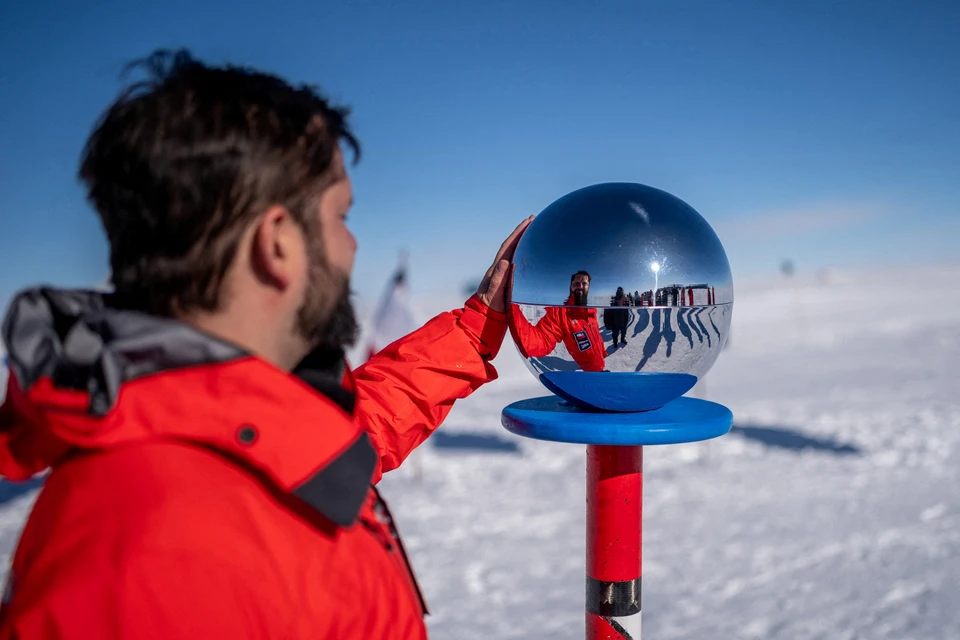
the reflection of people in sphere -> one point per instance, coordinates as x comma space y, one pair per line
574, 324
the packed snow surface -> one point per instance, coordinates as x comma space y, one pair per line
831, 510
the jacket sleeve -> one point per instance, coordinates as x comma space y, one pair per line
536, 341
406, 390
162, 596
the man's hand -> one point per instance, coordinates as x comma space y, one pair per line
493, 287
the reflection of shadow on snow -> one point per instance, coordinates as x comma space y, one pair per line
712, 324
553, 363
643, 321
793, 440
696, 318
473, 442
689, 322
668, 333
12, 490
650, 347
684, 329
653, 340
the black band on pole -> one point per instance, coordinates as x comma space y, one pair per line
613, 599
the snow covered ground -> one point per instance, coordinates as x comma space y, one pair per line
832, 510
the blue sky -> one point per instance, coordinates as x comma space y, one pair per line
827, 132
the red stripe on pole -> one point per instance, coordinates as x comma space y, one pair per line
599, 629
614, 512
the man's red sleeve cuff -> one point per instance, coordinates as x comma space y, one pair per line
488, 325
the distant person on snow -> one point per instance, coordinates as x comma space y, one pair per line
574, 324
213, 458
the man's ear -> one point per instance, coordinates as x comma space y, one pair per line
277, 250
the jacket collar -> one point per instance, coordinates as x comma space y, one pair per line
71, 354
577, 311
326, 371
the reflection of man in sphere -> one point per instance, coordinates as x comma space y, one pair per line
574, 324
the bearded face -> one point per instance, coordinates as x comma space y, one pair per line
326, 318
579, 288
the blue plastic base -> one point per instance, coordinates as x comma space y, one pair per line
554, 419
627, 391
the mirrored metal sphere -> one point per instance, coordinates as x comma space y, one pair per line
622, 297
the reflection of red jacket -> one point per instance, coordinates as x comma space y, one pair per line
576, 326
210, 494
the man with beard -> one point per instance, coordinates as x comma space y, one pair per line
213, 459
573, 324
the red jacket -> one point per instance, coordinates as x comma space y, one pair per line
199, 492
576, 327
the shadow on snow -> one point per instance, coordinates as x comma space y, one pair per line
793, 440
482, 442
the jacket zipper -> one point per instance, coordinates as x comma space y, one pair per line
380, 507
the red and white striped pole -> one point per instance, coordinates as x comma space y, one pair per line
614, 541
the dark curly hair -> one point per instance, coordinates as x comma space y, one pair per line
580, 273
186, 159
